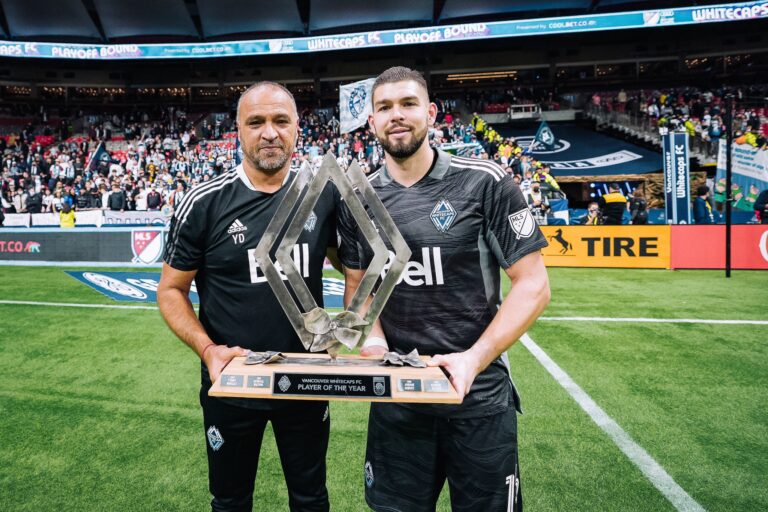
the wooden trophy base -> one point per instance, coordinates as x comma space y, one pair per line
349, 377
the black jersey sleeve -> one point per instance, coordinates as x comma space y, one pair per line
185, 246
351, 253
511, 232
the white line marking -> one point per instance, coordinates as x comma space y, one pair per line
650, 320
70, 305
543, 318
636, 454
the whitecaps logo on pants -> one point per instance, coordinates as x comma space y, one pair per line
114, 285
214, 438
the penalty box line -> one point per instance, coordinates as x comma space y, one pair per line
652, 470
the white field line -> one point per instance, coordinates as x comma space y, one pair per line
650, 320
543, 318
652, 470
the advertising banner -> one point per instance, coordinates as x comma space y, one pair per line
146, 218
677, 178
750, 175
704, 247
140, 246
354, 104
607, 246
674, 16
142, 286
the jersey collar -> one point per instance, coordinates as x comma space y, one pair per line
438, 172
244, 177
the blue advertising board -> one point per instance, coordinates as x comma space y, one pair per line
142, 286
427, 35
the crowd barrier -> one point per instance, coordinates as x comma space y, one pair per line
95, 218
670, 247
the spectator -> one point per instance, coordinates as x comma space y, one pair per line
613, 204
593, 217
34, 201
548, 182
638, 208
154, 199
66, 217
702, 210
538, 204
116, 200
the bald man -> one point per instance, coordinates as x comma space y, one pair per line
213, 236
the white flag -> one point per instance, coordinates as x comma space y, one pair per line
355, 104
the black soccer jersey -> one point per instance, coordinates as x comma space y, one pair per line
215, 230
462, 221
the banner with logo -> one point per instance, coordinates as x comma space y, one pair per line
677, 178
670, 16
145, 218
578, 151
17, 220
704, 247
749, 178
544, 138
607, 246
355, 104
55, 246
142, 286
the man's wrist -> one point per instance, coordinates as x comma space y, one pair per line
205, 349
375, 341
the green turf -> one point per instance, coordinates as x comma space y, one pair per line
98, 408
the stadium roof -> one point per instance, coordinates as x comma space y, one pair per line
160, 21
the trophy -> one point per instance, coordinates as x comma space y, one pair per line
331, 375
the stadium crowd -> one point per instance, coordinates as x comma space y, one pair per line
148, 161
700, 112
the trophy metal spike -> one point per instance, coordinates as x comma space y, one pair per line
314, 326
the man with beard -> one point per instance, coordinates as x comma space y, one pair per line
463, 219
214, 232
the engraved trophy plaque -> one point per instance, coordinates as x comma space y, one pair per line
330, 375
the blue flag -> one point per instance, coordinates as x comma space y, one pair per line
545, 137
100, 154
238, 152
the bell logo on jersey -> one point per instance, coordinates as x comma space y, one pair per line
300, 258
428, 272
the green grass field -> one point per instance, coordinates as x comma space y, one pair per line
98, 407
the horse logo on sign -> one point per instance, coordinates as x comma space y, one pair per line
147, 245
